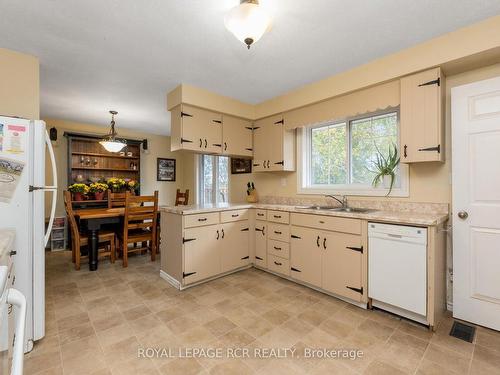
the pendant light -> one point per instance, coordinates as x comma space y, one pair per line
109, 142
248, 21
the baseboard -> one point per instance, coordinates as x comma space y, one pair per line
169, 279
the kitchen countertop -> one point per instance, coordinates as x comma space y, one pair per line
7, 237
423, 219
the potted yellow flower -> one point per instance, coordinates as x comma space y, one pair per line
133, 186
116, 185
79, 191
98, 189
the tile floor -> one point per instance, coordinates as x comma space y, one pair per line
97, 321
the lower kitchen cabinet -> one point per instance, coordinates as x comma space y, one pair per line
306, 255
261, 244
342, 265
202, 253
234, 240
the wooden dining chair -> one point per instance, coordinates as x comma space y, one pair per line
139, 225
106, 238
181, 198
116, 199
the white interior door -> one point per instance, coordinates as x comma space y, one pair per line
476, 202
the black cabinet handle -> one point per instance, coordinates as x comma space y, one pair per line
201, 143
222, 230
278, 263
324, 243
259, 214
277, 248
235, 215
405, 154
202, 219
225, 146
12, 253
268, 163
317, 241
217, 234
277, 232
277, 216
206, 143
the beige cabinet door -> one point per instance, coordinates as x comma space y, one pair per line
306, 255
237, 136
201, 130
202, 255
175, 128
342, 264
234, 245
422, 125
261, 244
267, 143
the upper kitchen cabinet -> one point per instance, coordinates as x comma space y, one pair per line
196, 129
236, 136
273, 145
422, 125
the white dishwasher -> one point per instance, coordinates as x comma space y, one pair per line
397, 269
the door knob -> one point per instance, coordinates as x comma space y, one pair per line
463, 215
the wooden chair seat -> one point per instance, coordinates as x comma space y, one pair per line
104, 236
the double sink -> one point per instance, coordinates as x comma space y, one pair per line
358, 210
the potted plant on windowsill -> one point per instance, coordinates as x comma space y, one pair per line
79, 191
98, 189
385, 168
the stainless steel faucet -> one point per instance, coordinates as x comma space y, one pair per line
343, 202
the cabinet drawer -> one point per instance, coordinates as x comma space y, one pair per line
278, 265
279, 217
201, 219
280, 232
234, 215
278, 248
261, 214
331, 223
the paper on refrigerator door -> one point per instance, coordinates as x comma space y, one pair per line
10, 173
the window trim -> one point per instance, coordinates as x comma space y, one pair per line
304, 162
200, 177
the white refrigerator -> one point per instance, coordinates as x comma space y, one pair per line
23, 146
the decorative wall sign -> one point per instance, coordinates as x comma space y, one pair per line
165, 169
239, 166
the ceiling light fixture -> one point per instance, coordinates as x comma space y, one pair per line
109, 142
248, 21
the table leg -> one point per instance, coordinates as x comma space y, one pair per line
93, 249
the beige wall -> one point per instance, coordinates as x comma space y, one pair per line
20, 85
159, 146
429, 182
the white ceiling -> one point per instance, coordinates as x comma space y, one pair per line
97, 55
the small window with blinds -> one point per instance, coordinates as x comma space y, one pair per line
339, 157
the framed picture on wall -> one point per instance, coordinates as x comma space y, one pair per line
165, 169
239, 166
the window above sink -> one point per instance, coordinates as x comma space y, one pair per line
337, 157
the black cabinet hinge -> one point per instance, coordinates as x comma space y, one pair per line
216, 144
280, 122
295, 269
184, 240
244, 230
436, 148
358, 249
247, 257
255, 165
249, 127
255, 128
259, 258
359, 290
433, 82
249, 149
184, 274
294, 236
217, 121
184, 114
280, 163
259, 230
186, 140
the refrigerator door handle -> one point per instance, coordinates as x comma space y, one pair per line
53, 188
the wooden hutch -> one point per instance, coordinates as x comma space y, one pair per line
89, 160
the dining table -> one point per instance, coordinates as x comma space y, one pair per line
94, 218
